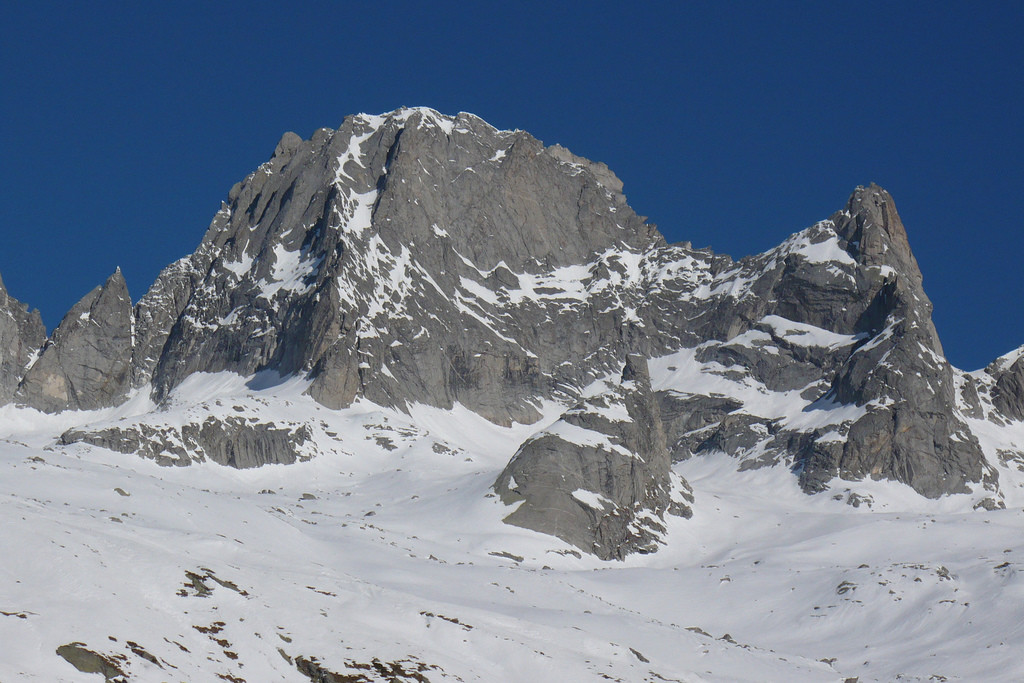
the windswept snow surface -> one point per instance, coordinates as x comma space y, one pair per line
388, 547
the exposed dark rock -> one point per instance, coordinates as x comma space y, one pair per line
89, 662
838, 312
970, 401
911, 431
231, 440
359, 672
21, 336
598, 478
1008, 392
86, 364
737, 432
685, 416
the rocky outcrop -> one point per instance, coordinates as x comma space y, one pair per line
86, 363
837, 313
233, 441
90, 662
599, 478
1007, 391
911, 430
21, 336
686, 415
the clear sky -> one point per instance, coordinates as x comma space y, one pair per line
123, 125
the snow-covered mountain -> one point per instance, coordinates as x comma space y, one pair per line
445, 407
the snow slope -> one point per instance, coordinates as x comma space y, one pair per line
384, 557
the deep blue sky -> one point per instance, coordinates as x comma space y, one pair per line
731, 124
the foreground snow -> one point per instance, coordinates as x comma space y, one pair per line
386, 553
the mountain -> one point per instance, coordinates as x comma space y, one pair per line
413, 258
488, 313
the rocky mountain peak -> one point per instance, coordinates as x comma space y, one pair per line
287, 146
116, 284
875, 234
347, 254
416, 259
86, 363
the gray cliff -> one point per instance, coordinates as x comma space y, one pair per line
852, 281
1007, 385
86, 363
599, 478
232, 441
21, 335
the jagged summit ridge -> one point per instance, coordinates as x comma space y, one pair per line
413, 258
354, 251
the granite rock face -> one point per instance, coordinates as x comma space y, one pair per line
838, 315
1007, 385
86, 363
406, 258
232, 441
21, 336
911, 431
599, 478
